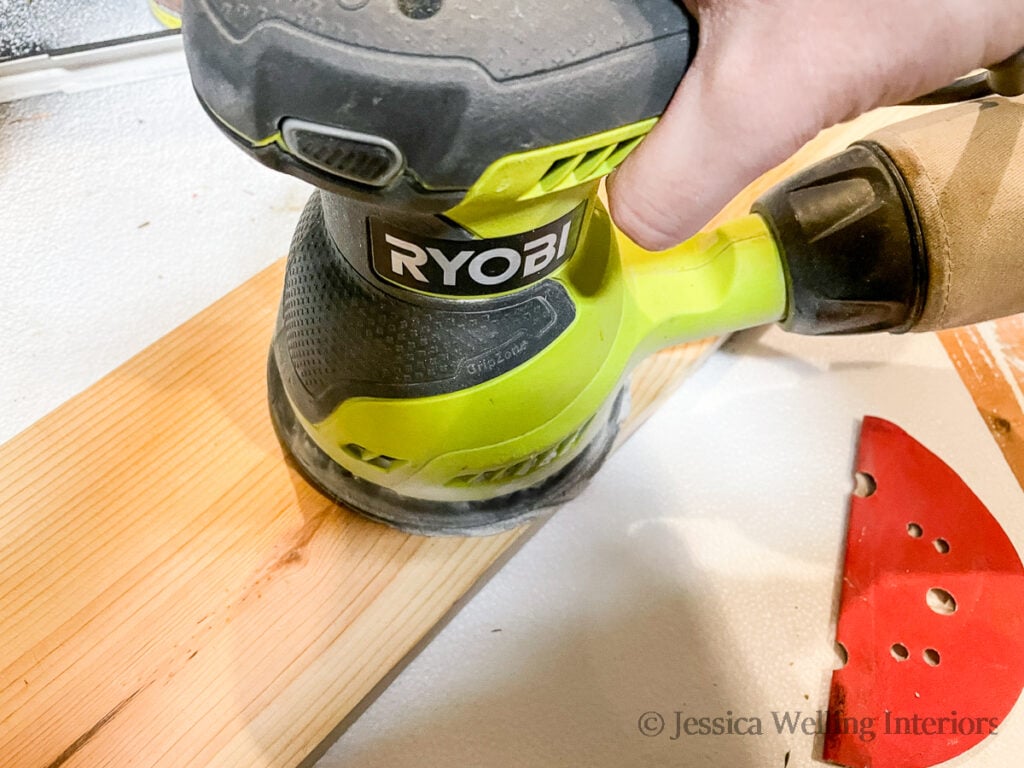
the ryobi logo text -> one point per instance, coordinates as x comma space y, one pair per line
472, 267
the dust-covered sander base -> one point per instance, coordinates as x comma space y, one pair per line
426, 517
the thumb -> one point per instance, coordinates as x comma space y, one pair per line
770, 74
745, 106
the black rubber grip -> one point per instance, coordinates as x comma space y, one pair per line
851, 246
340, 335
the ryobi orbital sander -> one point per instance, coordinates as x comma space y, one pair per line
459, 313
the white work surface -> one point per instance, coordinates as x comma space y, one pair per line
696, 574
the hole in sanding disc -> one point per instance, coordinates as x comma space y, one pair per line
940, 601
842, 656
864, 485
941, 546
899, 652
932, 657
914, 530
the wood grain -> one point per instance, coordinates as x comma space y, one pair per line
990, 360
172, 594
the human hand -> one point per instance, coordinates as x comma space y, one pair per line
770, 74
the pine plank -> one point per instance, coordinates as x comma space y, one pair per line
172, 594
990, 360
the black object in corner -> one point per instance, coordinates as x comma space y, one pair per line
851, 246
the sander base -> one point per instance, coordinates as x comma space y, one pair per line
428, 517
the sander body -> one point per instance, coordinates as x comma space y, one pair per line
460, 315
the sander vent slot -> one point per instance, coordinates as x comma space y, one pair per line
573, 170
378, 460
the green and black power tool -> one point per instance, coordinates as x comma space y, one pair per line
460, 315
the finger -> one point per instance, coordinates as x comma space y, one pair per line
738, 113
769, 75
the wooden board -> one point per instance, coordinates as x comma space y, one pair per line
990, 360
171, 594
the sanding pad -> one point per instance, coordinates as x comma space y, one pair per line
931, 613
435, 518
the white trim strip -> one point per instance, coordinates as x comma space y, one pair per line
83, 70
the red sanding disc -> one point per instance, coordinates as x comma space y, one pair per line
931, 613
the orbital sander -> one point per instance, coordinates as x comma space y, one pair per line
460, 315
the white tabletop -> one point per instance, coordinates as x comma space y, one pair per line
697, 573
